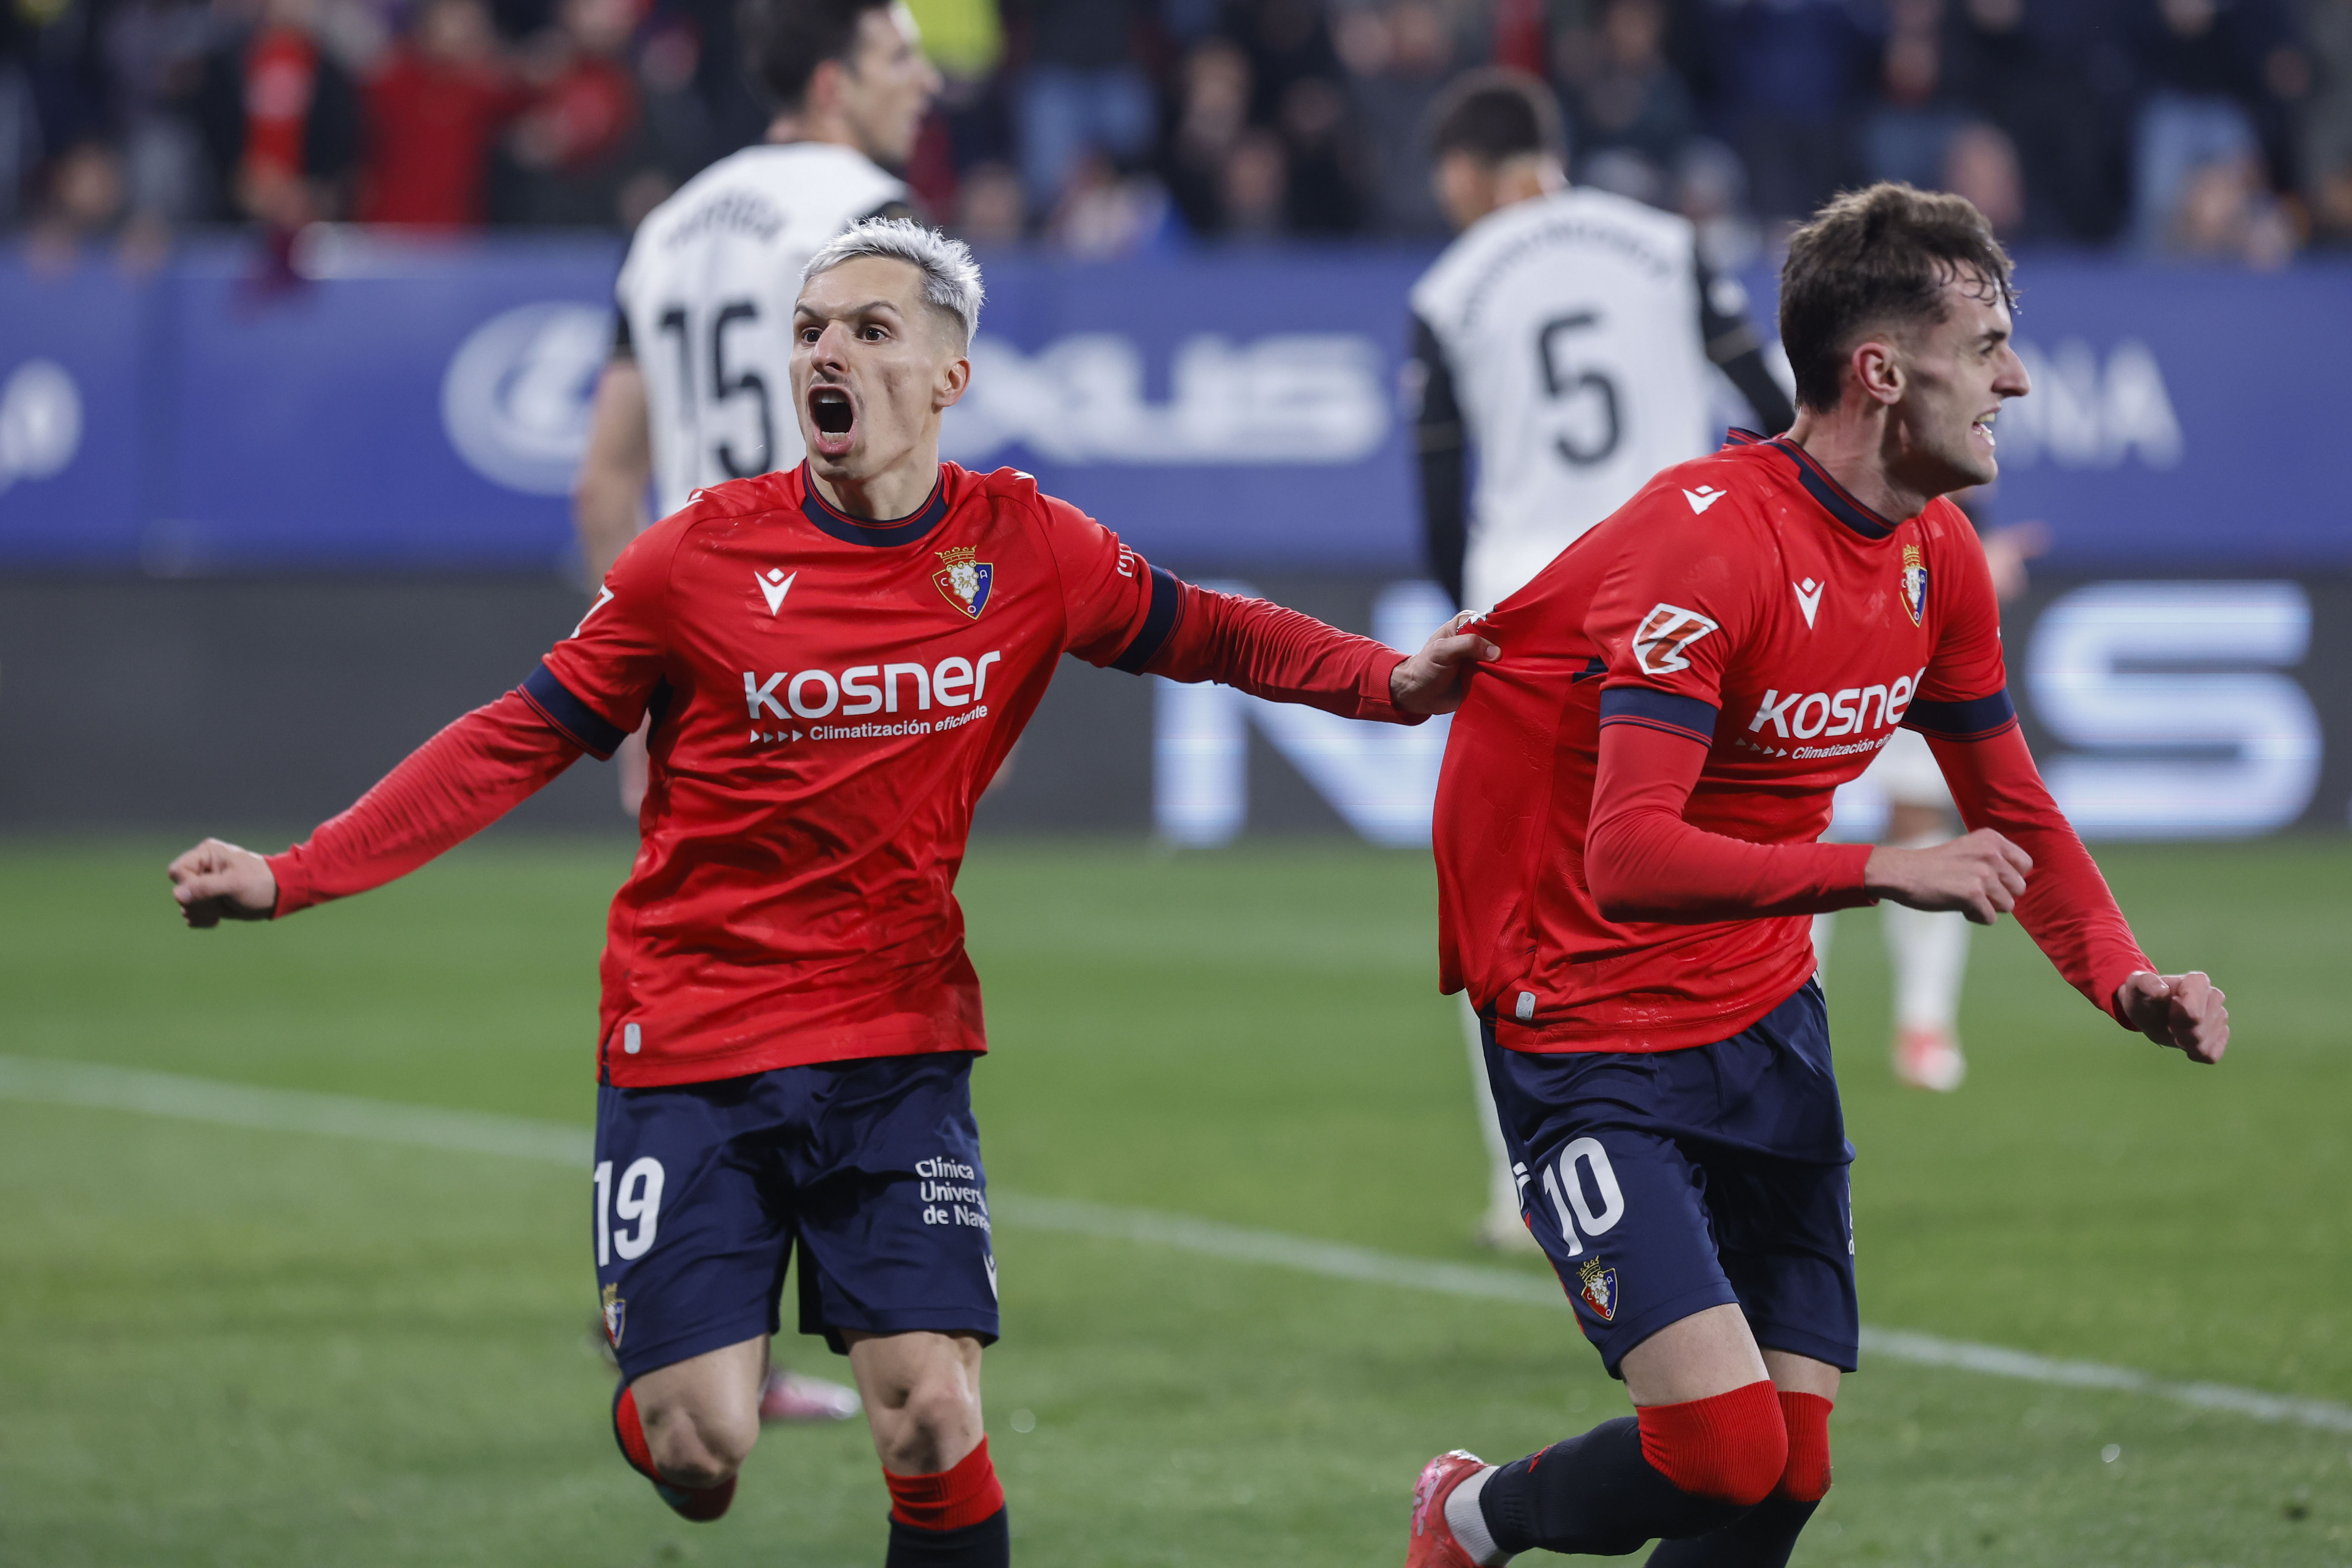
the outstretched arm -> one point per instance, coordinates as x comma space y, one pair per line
2067, 907
1286, 657
450, 788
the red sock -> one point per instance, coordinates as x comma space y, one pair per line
1807, 1416
961, 1495
1731, 1446
632, 1435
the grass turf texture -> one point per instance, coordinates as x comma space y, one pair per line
228, 1347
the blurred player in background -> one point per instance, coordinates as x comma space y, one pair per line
1627, 855
1927, 949
1570, 339
693, 394
835, 659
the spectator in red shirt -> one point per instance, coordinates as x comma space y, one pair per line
433, 110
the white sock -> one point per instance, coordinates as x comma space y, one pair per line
1469, 1525
1930, 953
1502, 1184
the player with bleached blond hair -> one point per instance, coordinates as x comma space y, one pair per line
832, 661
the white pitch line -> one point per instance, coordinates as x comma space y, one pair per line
50, 1082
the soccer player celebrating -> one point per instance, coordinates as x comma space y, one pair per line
1626, 848
702, 347
1569, 336
835, 659
707, 290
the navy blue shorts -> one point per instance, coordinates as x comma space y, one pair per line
1665, 1182
871, 1166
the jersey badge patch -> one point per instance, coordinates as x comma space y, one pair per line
1809, 599
1914, 583
615, 1310
965, 581
775, 585
1597, 1284
1704, 497
1664, 634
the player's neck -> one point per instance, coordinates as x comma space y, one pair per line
897, 492
1860, 451
813, 126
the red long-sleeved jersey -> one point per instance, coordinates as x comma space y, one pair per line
829, 697
1628, 814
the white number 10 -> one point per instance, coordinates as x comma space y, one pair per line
1613, 1199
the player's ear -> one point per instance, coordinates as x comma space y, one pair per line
947, 391
1877, 364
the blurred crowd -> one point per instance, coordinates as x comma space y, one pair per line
2219, 130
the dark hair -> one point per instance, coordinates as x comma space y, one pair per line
785, 40
1876, 258
1495, 114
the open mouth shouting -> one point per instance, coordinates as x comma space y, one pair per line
1982, 428
832, 420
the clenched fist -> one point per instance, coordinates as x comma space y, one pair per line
1982, 876
2182, 1011
218, 882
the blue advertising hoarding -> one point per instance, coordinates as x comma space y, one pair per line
422, 407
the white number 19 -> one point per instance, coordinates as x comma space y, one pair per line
639, 1200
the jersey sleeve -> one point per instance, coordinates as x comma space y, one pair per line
1670, 620
594, 685
1122, 612
1964, 710
1441, 442
1668, 617
1964, 695
450, 788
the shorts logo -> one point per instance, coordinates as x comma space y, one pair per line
964, 582
615, 1310
1914, 583
1664, 634
1598, 1287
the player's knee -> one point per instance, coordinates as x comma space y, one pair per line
1806, 1477
697, 1446
939, 1416
1731, 1448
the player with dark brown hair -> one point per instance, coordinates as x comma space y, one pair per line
1628, 859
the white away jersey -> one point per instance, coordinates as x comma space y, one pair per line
706, 294
1570, 324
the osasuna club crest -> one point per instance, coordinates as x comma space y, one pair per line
1598, 1286
1914, 583
615, 1310
965, 581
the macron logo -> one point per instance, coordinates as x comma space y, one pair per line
1704, 497
775, 585
1809, 599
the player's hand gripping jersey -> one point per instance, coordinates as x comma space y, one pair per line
829, 699
705, 299
1679, 694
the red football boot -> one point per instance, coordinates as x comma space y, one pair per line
1433, 1544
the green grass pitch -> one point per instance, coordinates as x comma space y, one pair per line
231, 1347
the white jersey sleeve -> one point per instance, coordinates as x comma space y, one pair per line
1571, 325
708, 292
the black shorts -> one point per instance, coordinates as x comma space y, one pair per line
1665, 1182
872, 1166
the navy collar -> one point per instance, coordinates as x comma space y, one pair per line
851, 531
1831, 495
